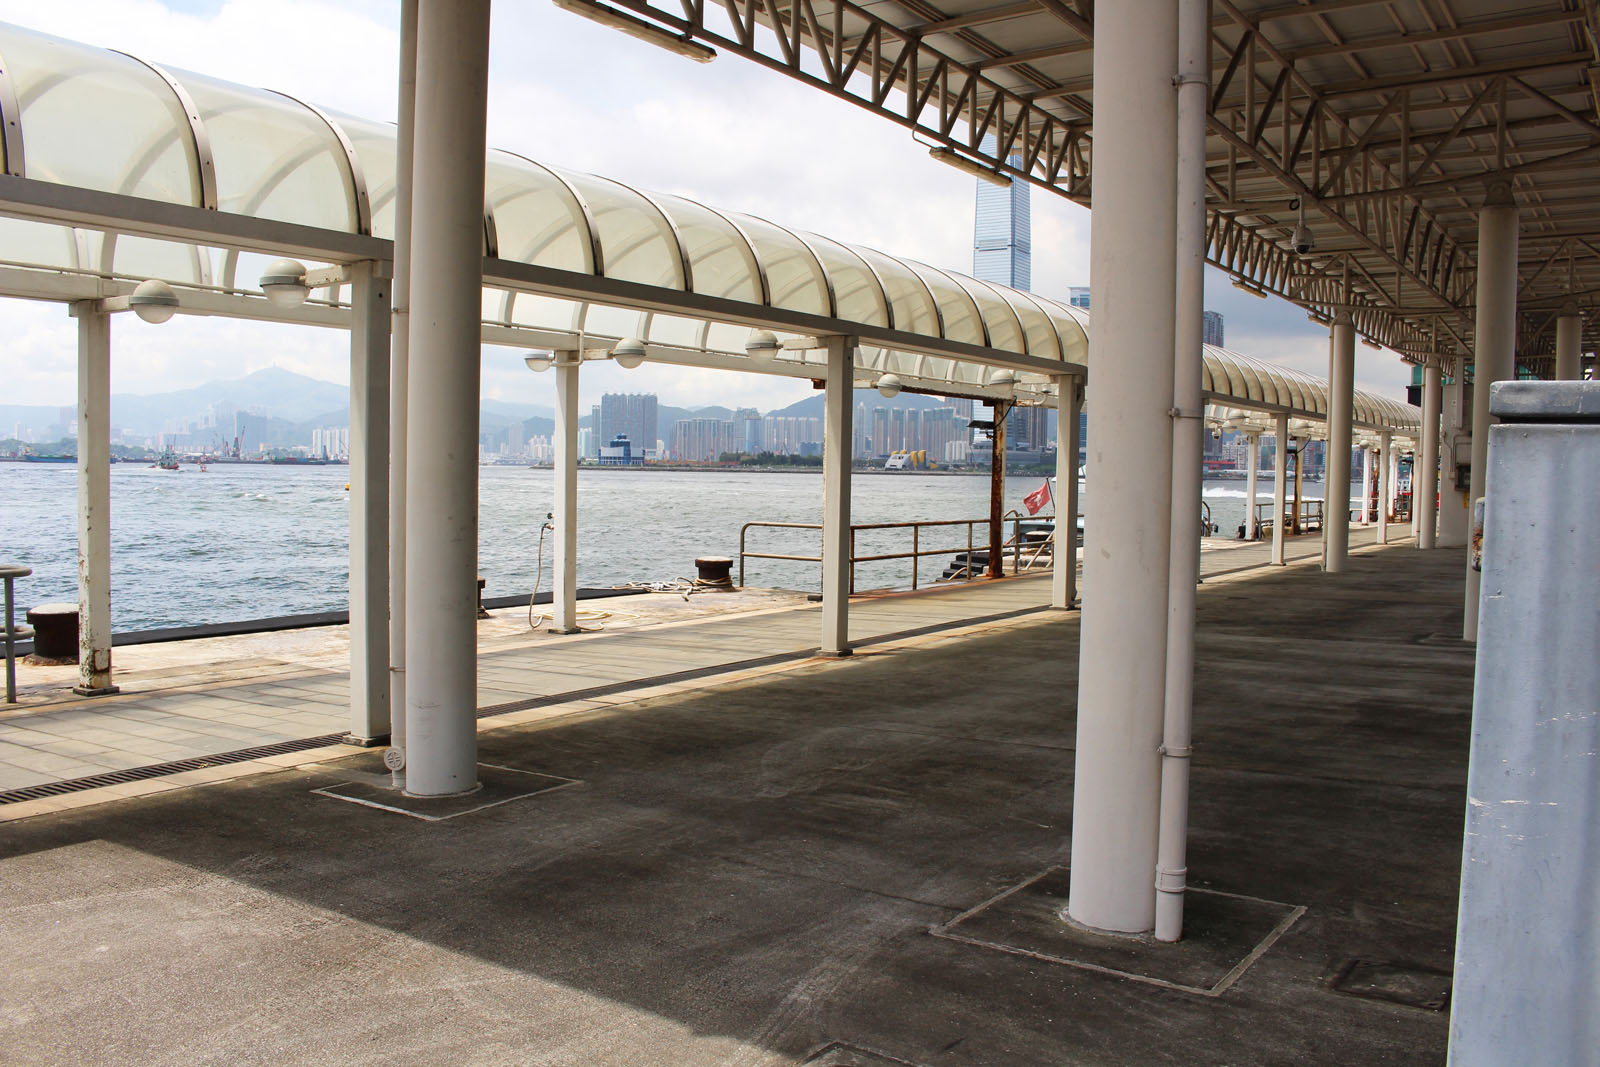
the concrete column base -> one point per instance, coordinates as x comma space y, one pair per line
375, 741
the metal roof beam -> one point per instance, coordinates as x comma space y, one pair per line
1453, 75
1406, 40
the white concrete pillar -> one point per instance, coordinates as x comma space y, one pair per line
1494, 348
1456, 445
1385, 485
836, 496
1569, 344
94, 501
399, 348
1064, 576
1366, 486
564, 515
1252, 475
1280, 484
444, 373
1122, 661
1425, 468
369, 504
1336, 471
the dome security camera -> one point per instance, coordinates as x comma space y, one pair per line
1302, 240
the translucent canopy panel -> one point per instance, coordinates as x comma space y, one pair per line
795, 278
857, 294
537, 216
910, 300
721, 261
274, 158
637, 243
957, 310
1255, 383
374, 146
99, 120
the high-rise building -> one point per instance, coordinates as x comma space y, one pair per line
1211, 325
632, 415
705, 440
963, 406
1078, 296
1002, 237
250, 431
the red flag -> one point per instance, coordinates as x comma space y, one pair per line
1038, 498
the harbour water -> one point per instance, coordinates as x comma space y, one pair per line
247, 541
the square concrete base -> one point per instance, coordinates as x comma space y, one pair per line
1223, 934
496, 786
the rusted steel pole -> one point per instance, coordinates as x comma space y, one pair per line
997, 488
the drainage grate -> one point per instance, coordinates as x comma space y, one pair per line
1398, 983
161, 770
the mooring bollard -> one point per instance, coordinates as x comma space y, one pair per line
55, 633
714, 571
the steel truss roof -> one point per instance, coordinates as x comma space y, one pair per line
117, 170
1387, 119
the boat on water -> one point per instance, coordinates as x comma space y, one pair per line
298, 461
29, 457
168, 461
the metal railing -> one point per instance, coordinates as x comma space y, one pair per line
1021, 560
1310, 515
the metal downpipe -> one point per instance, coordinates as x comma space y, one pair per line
1188, 426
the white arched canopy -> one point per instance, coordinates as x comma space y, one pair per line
575, 256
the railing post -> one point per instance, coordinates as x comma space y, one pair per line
916, 549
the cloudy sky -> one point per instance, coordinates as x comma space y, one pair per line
566, 91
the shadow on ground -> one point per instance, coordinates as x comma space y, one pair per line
747, 874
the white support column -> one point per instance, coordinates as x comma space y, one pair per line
399, 349
1188, 432
1455, 444
94, 501
1411, 524
1122, 655
1425, 469
1336, 472
1385, 485
1252, 475
1366, 486
1064, 576
564, 515
1494, 349
1569, 344
1280, 484
444, 375
369, 504
836, 496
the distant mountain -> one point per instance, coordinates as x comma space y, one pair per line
524, 411
290, 401
278, 393
812, 406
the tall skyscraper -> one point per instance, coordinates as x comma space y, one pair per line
1212, 327
633, 414
1002, 238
